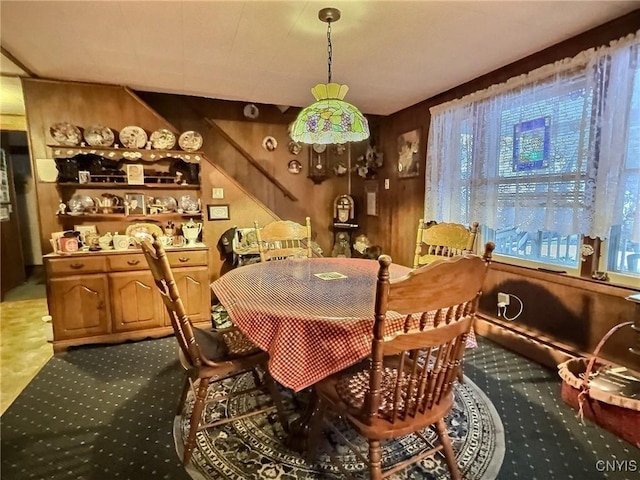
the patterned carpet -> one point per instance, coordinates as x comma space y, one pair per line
106, 412
253, 448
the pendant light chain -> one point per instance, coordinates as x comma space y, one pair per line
329, 49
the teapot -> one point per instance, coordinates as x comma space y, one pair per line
105, 241
191, 230
107, 202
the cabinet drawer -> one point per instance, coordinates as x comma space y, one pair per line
129, 261
187, 258
65, 266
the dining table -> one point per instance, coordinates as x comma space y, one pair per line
313, 316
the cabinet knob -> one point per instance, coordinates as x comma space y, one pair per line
183, 259
76, 266
133, 262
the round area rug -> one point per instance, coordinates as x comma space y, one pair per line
253, 448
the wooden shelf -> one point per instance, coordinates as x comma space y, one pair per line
131, 218
147, 155
126, 186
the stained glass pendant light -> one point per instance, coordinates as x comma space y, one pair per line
330, 120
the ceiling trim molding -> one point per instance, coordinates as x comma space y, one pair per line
18, 63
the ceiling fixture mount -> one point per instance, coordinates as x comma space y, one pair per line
330, 120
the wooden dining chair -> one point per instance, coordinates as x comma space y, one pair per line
406, 384
443, 240
283, 239
209, 357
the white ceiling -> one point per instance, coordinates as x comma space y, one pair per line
392, 54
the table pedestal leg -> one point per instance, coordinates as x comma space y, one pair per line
297, 438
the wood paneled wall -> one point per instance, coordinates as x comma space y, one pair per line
403, 204
315, 201
573, 313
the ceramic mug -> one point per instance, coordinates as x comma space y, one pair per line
122, 242
166, 240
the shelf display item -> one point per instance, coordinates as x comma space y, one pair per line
189, 204
165, 204
64, 133
190, 231
163, 139
143, 231
190, 141
133, 137
99, 136
80, 204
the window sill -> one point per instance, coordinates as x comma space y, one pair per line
565, 278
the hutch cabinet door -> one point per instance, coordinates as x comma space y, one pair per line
193, 285
134, 301
78, 306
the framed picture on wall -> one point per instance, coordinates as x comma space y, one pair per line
408, 151
218, 212
371, 192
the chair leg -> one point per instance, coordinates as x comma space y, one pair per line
448, 450
277, 399
315, 430
196, 416
375, 460
183, 395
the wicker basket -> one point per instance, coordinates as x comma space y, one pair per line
616, 413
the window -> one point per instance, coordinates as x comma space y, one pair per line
546, 158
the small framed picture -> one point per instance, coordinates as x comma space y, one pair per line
135, 174
408, 150
84, 229
371, 190
134, 204
218, 212
84, 176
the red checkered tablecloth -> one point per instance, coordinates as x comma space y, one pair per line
310, 327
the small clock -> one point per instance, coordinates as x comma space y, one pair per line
319, 148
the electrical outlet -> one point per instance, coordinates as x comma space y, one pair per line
503, 298
386, 184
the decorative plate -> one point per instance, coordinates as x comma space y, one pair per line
251, 111
190, 141
133, 137
269, 143
294, 147
163, 139
168, 204
99, 136
64, 133
319, 148
188, 203
294, 167
79, 204
143, 231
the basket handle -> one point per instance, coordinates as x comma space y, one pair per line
594, 357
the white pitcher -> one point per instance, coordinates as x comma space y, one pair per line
191, 230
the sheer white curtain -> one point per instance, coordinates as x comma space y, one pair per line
550, 150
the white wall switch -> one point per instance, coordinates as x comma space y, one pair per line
217, 193
386, 184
